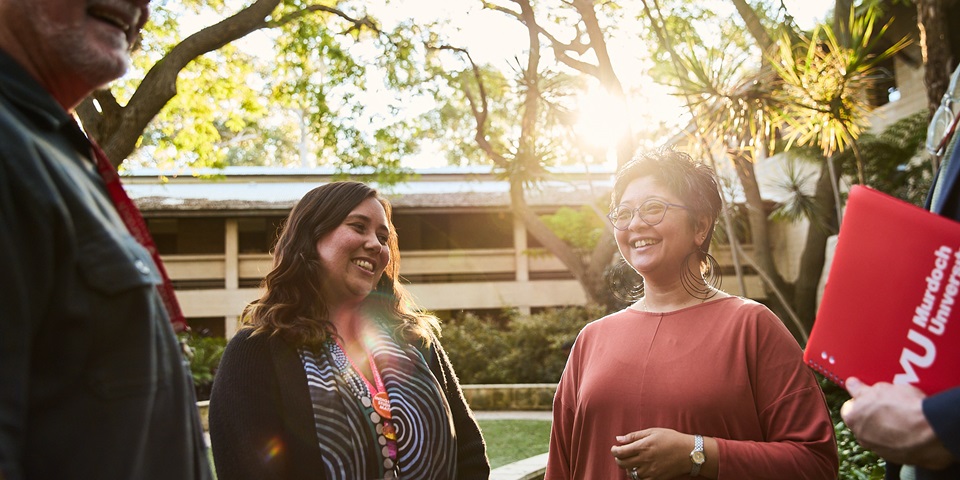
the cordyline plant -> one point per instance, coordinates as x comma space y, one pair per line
823, 84
809, 90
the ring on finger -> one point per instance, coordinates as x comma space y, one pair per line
633, 473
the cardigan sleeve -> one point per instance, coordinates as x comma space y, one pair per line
472, 459
253, 434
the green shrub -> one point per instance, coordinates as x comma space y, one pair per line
856, 462
203, 353
522, 349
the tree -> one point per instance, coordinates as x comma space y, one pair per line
937, 42
733, 108
524, 153
315, 59
813, 85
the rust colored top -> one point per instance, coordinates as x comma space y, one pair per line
727, 369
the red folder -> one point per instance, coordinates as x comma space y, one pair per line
891, 306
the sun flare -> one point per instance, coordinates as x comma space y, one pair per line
603, 119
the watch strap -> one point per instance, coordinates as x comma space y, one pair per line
694, 457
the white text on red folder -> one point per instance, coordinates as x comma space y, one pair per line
928, 319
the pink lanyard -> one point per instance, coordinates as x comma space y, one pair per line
374, 388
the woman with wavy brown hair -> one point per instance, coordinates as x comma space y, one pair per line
336, 373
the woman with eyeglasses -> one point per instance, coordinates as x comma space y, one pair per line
688, 380
337, 374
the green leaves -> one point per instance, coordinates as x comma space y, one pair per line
317, 77
825, 82
728, 105
582, 228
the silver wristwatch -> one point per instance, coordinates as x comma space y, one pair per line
697, 457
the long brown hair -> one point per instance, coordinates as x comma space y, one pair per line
292, 305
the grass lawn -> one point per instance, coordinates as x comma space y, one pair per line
511, 440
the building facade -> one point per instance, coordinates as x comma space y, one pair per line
462, 248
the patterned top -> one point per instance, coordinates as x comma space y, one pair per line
264, 414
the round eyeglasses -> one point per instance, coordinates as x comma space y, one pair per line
945, 119
651, 212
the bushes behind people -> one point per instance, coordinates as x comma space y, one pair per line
515, 349
203, 352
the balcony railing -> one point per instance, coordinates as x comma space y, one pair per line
441, 280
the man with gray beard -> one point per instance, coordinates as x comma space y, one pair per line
92, 383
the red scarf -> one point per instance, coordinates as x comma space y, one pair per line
138, 228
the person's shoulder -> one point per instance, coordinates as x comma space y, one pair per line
249, 341
742, 306
243, 335
746, 312
606, 322
750, 315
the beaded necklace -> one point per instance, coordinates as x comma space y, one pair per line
374, 400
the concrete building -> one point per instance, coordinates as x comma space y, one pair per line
462, 248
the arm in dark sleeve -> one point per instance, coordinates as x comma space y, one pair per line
246, 419
472, 459
943, 412
27, 250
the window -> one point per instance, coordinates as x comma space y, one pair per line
188, 236
258, 234
454, 231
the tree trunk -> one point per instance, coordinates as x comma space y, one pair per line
754, 26
608, 77
814, 250
762, 258
757, 216
117, 128
841, 21
586, 275
938, 58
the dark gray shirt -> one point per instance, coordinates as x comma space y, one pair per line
92, 383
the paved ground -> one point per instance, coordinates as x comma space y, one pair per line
512, 415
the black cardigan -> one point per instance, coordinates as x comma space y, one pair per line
261, 418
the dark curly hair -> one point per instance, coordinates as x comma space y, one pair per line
292, 306
695, 184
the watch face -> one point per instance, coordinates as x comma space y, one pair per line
698, 457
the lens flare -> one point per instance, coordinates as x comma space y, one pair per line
273, 449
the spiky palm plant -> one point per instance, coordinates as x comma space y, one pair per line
824, 84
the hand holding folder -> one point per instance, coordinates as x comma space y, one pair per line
891, 305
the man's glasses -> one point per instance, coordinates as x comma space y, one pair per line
945, 119
651, 212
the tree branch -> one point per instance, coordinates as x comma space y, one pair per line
159, 85
560, 49
358, 23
